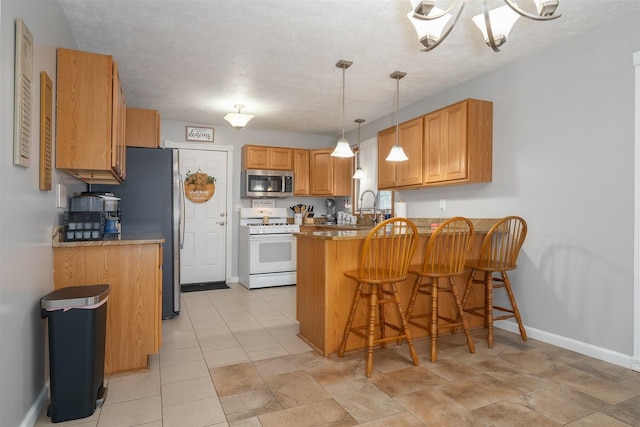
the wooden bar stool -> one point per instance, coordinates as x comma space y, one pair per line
498, 254
384, 261
444, 258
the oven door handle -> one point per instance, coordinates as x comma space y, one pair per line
271, 237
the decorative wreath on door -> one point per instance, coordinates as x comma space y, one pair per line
199, 187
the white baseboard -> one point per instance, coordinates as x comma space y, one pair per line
36, 408
600, 353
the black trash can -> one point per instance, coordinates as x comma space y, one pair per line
77, 325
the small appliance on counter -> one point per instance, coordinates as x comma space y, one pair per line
92, 216
331, 211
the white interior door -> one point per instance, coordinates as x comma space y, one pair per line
203, 253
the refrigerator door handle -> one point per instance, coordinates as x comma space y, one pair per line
182, 202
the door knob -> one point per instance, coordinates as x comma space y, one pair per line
221, 222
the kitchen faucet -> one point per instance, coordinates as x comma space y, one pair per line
374, 202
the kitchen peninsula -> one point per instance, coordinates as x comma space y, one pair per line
132, 266
324, 294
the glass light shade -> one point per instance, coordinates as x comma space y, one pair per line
359, 174
396, 154
343, 149
238, 120
501, 19
429, 31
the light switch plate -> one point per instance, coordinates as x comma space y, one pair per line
61, 196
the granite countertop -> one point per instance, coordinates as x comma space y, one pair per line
125, 239
356, 232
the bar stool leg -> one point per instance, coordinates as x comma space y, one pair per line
414, 294
405, 325
347, 328
516, 312
434, 318
461, 315
373, 302
488, 310
381, 315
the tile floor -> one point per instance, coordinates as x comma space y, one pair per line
233, 359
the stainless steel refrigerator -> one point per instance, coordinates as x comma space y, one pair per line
151, 200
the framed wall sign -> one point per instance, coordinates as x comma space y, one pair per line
199, 134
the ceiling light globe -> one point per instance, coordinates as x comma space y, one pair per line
238, 120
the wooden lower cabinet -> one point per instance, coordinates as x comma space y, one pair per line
134, 308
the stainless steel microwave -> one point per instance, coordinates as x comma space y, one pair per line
266, 183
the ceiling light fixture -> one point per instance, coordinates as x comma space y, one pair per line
238, 120
359, 172
397, 153
342, 147
433, 25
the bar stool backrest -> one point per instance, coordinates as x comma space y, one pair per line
447, 247
501, 245
387, 251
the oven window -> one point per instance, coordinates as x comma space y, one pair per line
275, 252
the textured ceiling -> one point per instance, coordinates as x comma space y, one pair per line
194, 59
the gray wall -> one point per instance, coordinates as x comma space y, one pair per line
564, 160
26, 216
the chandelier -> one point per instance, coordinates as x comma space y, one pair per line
433, 24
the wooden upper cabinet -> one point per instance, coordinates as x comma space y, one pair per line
264, 157
386, 170
90, 117
280, 158
406, 173
449, 146
321, 172
458, 144
409, 172
143, 128
301, 159
342, 175
329, 176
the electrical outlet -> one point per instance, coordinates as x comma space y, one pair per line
61, 195
443, 204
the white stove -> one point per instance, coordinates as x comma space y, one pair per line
267, 248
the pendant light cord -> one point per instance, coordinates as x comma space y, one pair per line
343, 71
397, 107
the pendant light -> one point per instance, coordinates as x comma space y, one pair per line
342, 147
397, 153
359, 172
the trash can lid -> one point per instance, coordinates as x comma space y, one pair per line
75, 296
